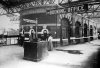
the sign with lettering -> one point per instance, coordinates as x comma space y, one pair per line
30, 21
65, 10
55, 11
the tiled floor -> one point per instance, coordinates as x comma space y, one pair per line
63, 57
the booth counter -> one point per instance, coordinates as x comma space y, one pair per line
35, 51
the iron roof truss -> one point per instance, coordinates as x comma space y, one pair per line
13, 6
78, 7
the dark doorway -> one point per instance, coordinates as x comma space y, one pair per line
85, 33
91, 33
77, 31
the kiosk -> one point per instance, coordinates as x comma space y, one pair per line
35, 50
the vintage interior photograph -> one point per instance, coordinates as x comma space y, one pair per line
49, 33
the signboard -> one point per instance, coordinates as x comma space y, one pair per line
55, 11
65, 10
30, 21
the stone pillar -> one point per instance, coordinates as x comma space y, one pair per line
73, 24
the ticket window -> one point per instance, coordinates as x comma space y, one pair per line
32, 35
45, 34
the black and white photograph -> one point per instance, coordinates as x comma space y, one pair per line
49, 33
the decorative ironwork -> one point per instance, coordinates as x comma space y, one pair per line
69, 5
13, 6
93, 8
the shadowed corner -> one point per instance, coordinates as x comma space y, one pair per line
71, 51
98, 59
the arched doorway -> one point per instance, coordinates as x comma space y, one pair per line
65, 30
85, 33
77, 31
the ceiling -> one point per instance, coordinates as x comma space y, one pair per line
13, 6
9, 4
13, 3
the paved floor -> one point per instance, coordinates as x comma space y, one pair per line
72, 56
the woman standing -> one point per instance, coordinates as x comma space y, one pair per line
50, 43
